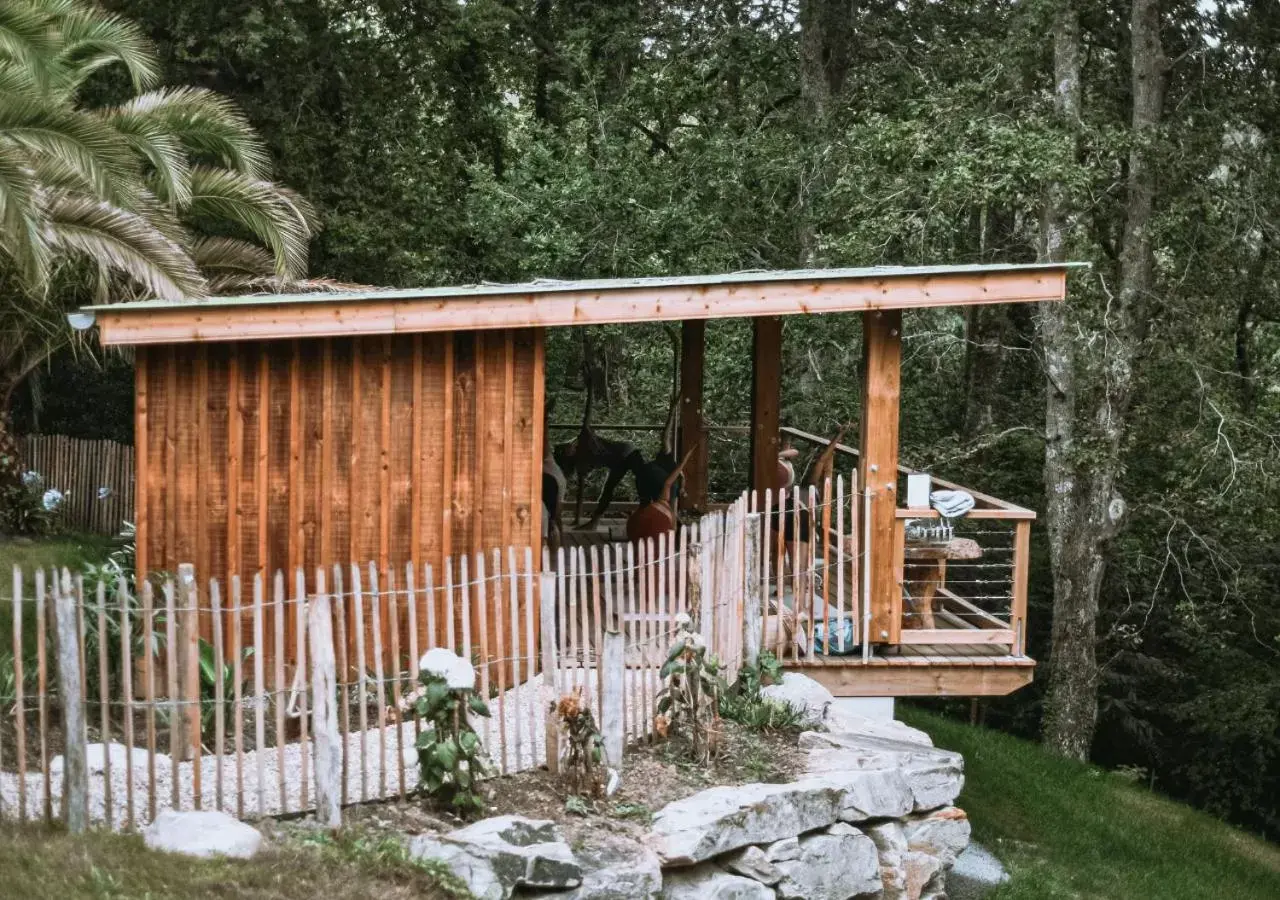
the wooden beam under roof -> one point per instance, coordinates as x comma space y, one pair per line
569, 303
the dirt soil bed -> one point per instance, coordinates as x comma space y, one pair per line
653, 775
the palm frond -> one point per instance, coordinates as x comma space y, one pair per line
16, 78
20, 215
154, 141
274, 215
90, 39
207, 124
228, 256
237, 283
124, 242
83, 142
25, 36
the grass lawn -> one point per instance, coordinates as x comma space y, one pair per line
1069, 830
37, 863
70, 550
64, 550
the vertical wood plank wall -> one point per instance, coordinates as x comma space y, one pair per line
258, 456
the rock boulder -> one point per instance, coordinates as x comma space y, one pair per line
806, 696
943, 833
722, 819
837, 864
497, 855
202, 834
708, 882
975, 874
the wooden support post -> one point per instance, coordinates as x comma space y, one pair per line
693, 345
878, 463
550, 673
188, 661
75, 774
752, 610
613, 668
324, 709
766, 401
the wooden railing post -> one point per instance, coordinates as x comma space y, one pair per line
550, 673
1021, 572
324, 709
75, 773
752, 612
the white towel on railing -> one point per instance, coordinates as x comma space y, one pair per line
951, 504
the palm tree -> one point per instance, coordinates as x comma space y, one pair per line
166, 195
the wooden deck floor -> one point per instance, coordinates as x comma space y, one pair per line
922, 670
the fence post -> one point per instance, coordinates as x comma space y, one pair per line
701, 619
613, 669
324, 710
188, 660
752, 614
75, 773
550, 675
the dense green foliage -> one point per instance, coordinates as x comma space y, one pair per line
1068, 830
505, 139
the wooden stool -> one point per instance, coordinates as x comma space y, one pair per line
925, 567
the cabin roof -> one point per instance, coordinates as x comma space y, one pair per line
548, 302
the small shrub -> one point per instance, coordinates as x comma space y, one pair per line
450, 756
29, 507
747, 705
689, 706
583, 770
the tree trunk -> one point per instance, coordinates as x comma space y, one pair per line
1090, 388
826, 34
983, 358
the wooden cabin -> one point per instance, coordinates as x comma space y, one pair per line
405, 426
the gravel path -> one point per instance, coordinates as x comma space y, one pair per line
372, 771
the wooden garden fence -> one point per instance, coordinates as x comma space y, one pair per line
202, 702
96, 477
287, 693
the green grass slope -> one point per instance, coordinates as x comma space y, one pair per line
39, 863
1065, 829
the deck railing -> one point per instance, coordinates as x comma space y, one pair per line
965, 586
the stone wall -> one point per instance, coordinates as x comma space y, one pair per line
872, 818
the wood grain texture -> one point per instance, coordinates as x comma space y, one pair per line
766, 401
310, 453
878, 462
516, 309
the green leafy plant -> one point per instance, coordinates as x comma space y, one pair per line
450, 757
746, 704
212, 673
689, 705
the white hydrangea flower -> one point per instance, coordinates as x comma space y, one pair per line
31, 480
52, 499
457, 673
697, 643
462, 676
683, 620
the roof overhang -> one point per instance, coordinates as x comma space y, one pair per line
560, 303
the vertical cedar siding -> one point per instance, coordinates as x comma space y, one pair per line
258, 456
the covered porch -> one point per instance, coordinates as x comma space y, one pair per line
880, 599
